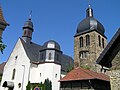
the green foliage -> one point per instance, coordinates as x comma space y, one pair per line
28, 87
2, 46
86, 67
47, 85
0, 78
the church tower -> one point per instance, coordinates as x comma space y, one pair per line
89, 41
27, 30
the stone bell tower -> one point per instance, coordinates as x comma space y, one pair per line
89, 41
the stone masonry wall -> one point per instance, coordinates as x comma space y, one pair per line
93, 49
115, 73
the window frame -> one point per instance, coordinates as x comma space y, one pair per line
99, 40
13, 74
103, 43
87, 40
81, 41
83, 54
50, 56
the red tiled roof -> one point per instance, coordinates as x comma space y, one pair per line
2, 67
84, 74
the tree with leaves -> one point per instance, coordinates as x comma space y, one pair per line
2, 46
0, 78
28, 87
48, 84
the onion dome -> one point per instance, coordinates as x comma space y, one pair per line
51, 44
90, 24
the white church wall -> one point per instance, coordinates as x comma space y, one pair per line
19, 61
56, 76
46, 70
34, 74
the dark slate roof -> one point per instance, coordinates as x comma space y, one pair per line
28, 24
33, 51
110, 51
57, 46
89, 24
79, 74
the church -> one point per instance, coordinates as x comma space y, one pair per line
35, 63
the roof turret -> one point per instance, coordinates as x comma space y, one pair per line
28, 30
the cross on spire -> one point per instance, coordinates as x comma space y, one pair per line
30, 16
89, 2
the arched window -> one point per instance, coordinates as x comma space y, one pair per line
103, 43
83, 54
99, 40
40, 74
81, 42
25, 33
49, 57
13, 74
29, 33
55, 75
87, 40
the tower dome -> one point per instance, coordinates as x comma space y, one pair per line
28, 24
52, 45
90, 24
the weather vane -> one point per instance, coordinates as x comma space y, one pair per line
89, 3
30, 15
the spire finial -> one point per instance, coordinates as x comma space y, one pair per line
88, 3
89, 6
89, 11
30, 16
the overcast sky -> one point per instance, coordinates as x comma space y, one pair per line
56, 20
